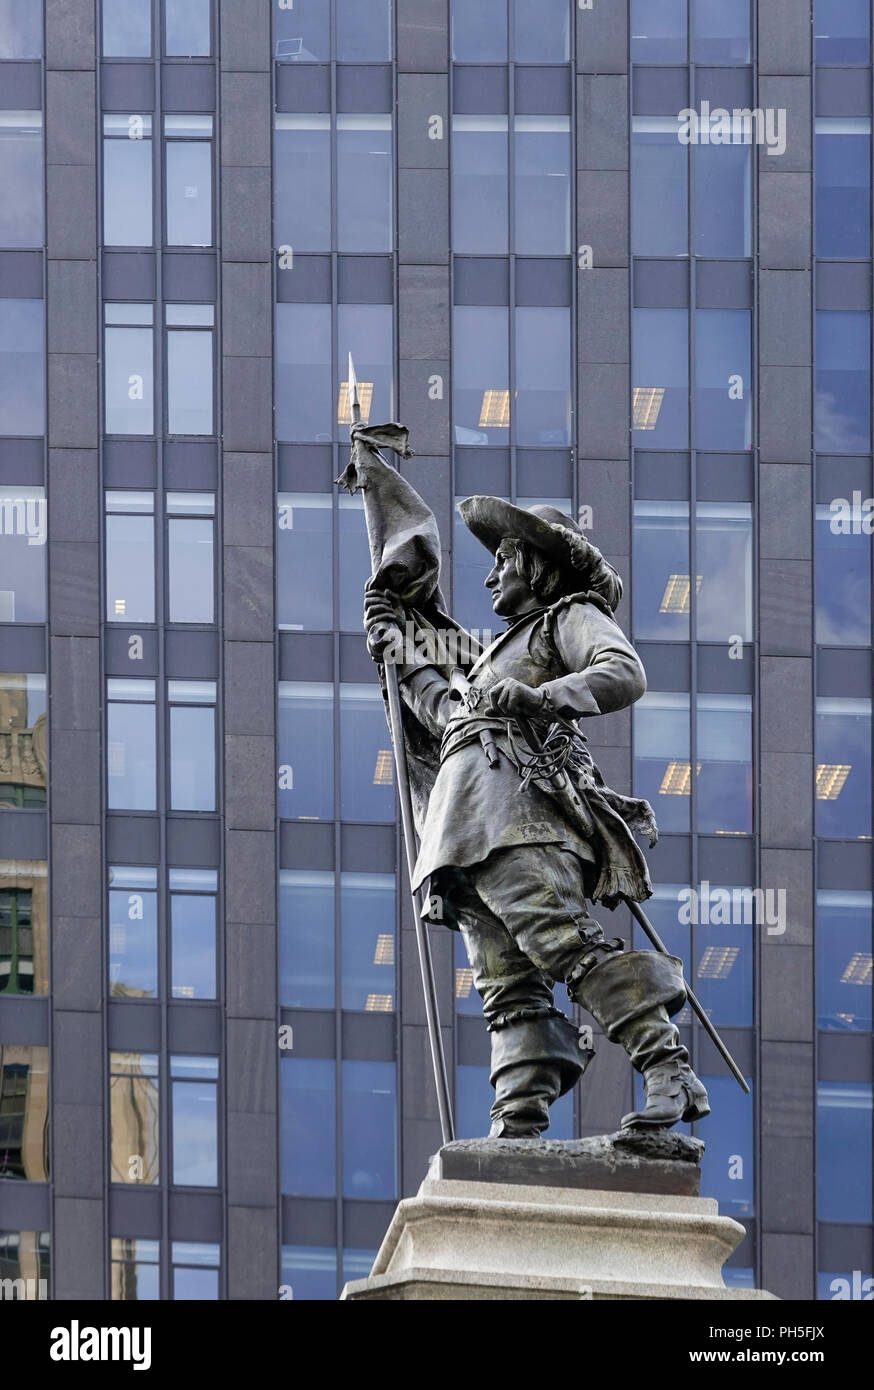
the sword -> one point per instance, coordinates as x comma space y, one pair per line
562, 785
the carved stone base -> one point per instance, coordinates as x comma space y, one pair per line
546, 1219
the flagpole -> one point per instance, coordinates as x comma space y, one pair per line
408, 826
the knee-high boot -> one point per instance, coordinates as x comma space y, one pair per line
536, 1057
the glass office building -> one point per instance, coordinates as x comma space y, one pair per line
614, 257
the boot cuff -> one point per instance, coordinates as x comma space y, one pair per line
626, 986
550, 1039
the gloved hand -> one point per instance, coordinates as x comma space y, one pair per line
510, 697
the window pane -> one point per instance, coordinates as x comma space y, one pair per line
369, 944
302, 194
542, 196
542, 32
24, 958
191, 570
192, 759
310, 1272
369, 1125
724, 546
127, 28
201, 1285
843, 577
24, 1113
659, 189
23, 719
306, 939
192, 918
843, 187
127, 181
843, 769
195, 1133
843, 382
131, 756
723, 200
129, 381
304, 553
658, 31
660, 373
366, 765
23, 534
306, 750
308, 1127
480, 184
364, 183
134, 1117
723, 379
189, 192
843, 1151
727, 1167
661, 593
721, 31
479, 32
133, 943
20, 29
543, 376
363, 31
662, 772
304, 390
474, 1098
842, 31
843, 961
366, 330
187, 28
354, 561
303, 32
22, 367
130, 569
189, 383
481, 375
472, 603
135, 1270
21, 177
724, 780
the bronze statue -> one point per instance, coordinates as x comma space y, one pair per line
517, 829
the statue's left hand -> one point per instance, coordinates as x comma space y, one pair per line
509, 697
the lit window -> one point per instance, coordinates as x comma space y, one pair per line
130, 557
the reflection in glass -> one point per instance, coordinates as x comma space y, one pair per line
369, 956
842, 31
729, 1139
192, 745
23, 760
843, 769
191, 577
134, 1117
364, 183
306, 750
310, 1273
129, 369
186, 33
481, 375
189, 181
192, 934
306, 939
22, 367
842, 382
363, 31
843, 186
367, 331
303, 32
308, 1127
195, 1121
661, 593
542, 196
722, 177
366, 763
21, 178
479, 32
24, 1118
130, 557
25, 1255
131, 744
135, 1270
541, 34
23, 535
662, 771
20, 29
133, 933
195, 1271
843, 960
302, 193
724, 782
659, 188
127, 28
721, 31
843, 1151
843, 581
660, 377
127, 181
658, 31
724, 561
480, 184
304, 393
723, 379
543, 376
304, 562
369, 1130
24, 944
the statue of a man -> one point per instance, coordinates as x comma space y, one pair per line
512, 861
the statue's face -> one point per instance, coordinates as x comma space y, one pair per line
511, 594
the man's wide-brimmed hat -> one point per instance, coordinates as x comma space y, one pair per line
556, 535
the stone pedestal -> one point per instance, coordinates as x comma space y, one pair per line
532, 1219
